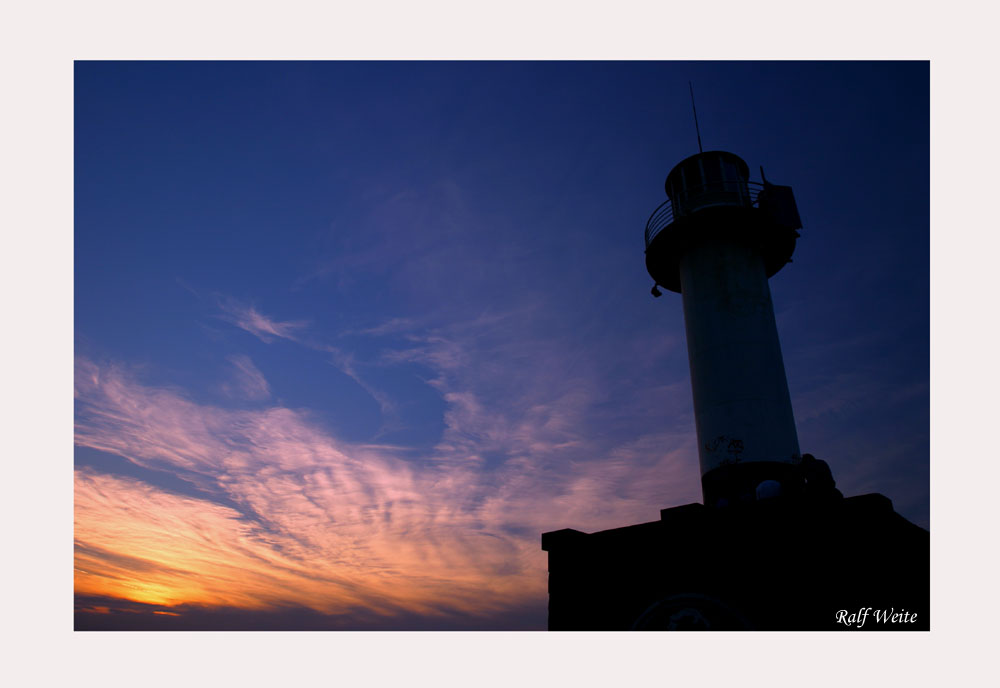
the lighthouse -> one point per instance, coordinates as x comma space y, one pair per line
716, 240
765, 550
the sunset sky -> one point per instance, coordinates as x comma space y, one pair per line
350, 336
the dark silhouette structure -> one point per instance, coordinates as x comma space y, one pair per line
775, 545
777, 564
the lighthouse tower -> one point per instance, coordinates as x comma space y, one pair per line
763, 564
716, 240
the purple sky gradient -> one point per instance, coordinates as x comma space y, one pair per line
351, 336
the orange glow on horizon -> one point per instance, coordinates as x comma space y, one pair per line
182, 550
292, 517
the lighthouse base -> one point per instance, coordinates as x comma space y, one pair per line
737, 483
779, 564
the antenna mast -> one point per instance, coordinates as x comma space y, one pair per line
695, 110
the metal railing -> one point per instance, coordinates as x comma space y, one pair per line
741, 194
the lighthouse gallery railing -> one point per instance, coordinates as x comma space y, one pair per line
715, 194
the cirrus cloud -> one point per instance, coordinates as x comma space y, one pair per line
283, 513
248, 318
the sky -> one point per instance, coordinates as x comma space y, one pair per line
349, 336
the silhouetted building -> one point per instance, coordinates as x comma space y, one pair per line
781, 564
777, 546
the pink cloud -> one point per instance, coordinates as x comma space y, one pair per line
248, 382
258, 324
332, 525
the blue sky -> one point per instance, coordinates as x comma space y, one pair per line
349, 336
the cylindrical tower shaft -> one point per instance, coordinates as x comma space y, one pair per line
743, 412
717, 240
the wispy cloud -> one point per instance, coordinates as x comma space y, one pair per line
252, 383
323, 525
247, 317
539, 431
391, 326
299, 517
247, 382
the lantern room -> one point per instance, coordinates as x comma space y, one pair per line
708, 179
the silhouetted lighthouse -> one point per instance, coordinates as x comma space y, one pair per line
716, 240
789, 552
